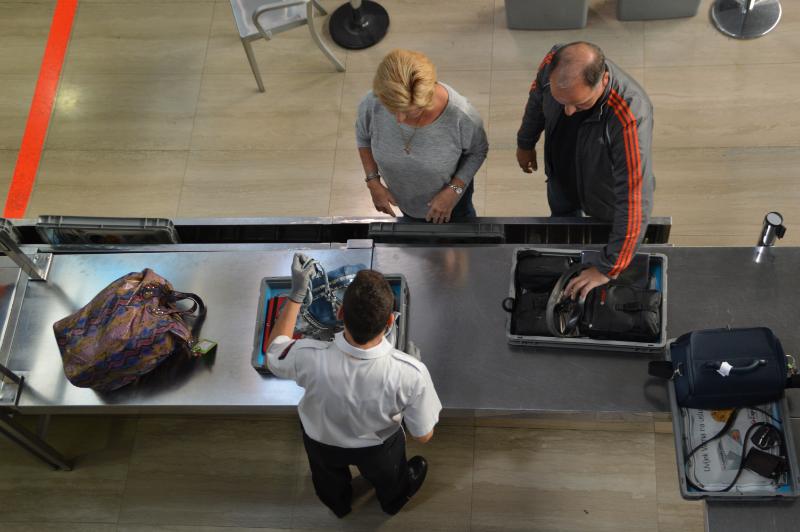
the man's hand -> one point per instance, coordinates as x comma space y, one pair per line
527, 160
382, 199
441, 206
302, 272
585, 282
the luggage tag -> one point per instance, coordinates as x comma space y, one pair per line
205, 348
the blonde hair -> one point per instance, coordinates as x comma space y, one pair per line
405, 79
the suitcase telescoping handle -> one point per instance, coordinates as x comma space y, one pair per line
752, 366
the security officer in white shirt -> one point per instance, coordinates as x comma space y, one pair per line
358, 390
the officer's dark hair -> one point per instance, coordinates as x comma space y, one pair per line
592, 71
368, 303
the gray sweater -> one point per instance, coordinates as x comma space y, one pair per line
454, 145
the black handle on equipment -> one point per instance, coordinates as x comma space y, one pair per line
755, 364
508, 304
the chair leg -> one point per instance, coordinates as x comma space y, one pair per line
248, 50
320, 9
314, 35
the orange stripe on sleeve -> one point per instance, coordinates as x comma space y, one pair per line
546, 61
633, 165
633, 161
635, 177
626, 244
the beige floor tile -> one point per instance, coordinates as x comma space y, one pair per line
455, 34
131, 169
123, 112
616, 422
69, 200
509, 96
563, 480
474, 85
723, 194
291, 51
723, 106
510, 191
57, 527
15, 102
524, 49
109, 183
166, 39
257, 183
674, 513
696, 42
298, 111
8, 160
100, 448
443, 502
23, 34
192, 528
212, 472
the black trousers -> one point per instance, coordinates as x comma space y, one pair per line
384, 466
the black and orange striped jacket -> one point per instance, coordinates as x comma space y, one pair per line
614, 162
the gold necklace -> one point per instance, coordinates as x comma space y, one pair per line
407, 142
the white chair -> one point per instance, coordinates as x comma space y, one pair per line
257, 19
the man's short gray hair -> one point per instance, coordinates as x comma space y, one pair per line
568, 64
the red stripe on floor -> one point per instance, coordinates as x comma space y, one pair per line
44, 95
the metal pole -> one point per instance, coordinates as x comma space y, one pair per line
31, 442
13, 251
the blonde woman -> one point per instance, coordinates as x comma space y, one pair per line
422, 138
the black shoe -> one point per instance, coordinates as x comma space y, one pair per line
340, 513
417, 470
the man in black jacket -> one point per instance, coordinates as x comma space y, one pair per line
598, 129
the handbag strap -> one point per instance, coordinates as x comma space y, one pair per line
197, 303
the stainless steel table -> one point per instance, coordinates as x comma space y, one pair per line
455, 319
228, 282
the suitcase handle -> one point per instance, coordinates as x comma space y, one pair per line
752, 366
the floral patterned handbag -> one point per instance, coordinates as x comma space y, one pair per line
126, 331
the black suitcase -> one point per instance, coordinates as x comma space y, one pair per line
725, 368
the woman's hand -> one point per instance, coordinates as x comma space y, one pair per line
442, 205
381, 197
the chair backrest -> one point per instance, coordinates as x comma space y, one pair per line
273, 21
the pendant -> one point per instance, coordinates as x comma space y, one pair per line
407, 150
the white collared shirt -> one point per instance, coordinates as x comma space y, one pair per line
356, 397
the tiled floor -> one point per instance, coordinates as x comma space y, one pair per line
157, 100
157, 114
213, 473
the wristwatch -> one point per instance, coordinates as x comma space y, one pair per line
457, 189
371, 176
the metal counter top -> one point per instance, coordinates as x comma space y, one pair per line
474, 368
455, 319
228, 282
